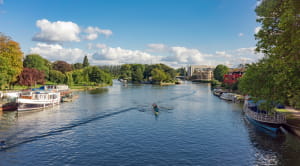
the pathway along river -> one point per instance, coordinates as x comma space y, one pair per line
116, 126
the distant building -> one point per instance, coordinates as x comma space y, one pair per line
200, 72
233, 76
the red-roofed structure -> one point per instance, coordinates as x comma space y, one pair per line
233, 76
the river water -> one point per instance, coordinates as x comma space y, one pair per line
116, 126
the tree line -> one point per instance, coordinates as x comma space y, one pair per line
34, 69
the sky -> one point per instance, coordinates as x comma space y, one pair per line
112, 32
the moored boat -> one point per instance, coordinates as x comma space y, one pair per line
268, 120
32, 100
228, 96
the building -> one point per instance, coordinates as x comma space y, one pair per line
200, 72
233, 76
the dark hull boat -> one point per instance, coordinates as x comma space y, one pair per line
269, 121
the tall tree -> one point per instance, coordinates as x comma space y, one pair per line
85, 62
11, 64
279, 40
220, 71
37, 62
137, 72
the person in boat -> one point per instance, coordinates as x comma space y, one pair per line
2, 144
155, 108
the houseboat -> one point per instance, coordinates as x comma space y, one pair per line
268, 120
32, 100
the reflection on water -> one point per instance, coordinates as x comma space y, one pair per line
117, 126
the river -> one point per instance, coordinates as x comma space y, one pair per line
116, 126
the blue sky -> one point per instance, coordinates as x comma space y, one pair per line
175, 32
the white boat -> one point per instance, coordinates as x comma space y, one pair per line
32, 100
228, 96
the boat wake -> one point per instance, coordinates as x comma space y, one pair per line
6, 145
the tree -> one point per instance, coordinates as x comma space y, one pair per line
85, 62
31, 76
11, 64
62, 66
181, 71
158, 75
137, 72
77, 66
37, 62
126, 72
98, 76
276, 77
56, 76
220, 71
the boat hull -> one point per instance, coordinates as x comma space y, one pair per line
268, 126
32, 106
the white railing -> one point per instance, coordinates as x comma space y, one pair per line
276, 118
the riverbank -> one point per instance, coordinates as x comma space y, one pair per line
292, 120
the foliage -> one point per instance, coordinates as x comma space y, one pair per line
276, 78
85, 62
62, 66
78, 76
114, 70
77, 66
98, 76
56, 76
37, 62
181, 71
158, 75
137, 72
31, 76
126, 72
10, 60
220, 71
69, 78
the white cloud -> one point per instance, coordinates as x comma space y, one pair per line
58, 31
240, 34
1, 2
120, 56
237, 56
257, 29
94, 32
92, 46
55, 52
223, 54
156, 47
182, 55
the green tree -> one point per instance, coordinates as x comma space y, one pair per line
11, 64
56, 77
181, 71
78, 76
98, 76
37, 62
77, 66
158, 75
276, 78
126, 72
85, 62
137, 72
220, 71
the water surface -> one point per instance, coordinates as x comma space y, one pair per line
116, 126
